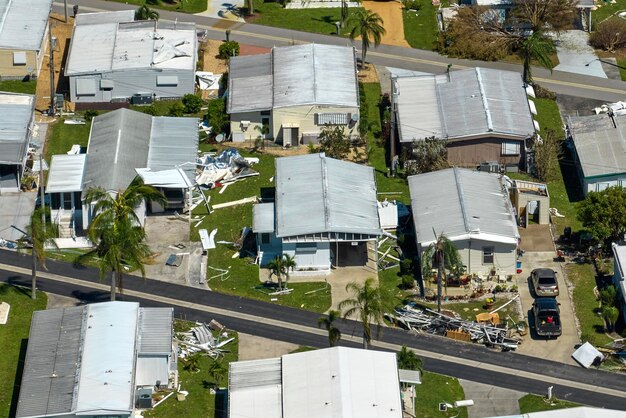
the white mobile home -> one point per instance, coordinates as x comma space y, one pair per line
293, 92
142, 60
16, 129
619, 275
324, 214
472, 209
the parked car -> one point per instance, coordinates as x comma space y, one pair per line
544, 282
547, 317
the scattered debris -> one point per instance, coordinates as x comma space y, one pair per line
617, 108
391, 213
222, 273
587, 355
252, 199
4, 312
555, 212
208, 241
201, 339
174, 260
74, 150
226, 167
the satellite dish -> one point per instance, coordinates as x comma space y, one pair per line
355, 117
220, 138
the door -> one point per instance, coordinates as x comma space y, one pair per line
68, 200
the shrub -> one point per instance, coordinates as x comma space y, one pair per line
90, 114
217, 116
192, 103
408, 282
228, 49
177, 109
608, 296
610, 35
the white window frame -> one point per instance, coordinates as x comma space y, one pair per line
489, 252
510, 148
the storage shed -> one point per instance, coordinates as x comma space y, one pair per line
531, 202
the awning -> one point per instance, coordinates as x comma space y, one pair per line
413, 377
66, 173
106, 84
167, 80
19, 58
172, 179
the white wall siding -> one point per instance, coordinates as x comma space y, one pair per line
602, 183
318, 260
253, 130
304, 118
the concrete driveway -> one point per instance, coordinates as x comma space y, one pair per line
559, 349
15, 209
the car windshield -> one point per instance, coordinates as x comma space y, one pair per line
547, 280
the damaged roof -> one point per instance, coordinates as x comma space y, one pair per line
317, 194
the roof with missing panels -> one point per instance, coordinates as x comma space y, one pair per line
316, 194
473, 102
23, 23
131, 45
310, 74
600, 143
17, 114
461, 204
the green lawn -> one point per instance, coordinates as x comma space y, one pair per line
200, 402
534, 403
18, 86
420, 28
62, 137
185, 6
435, 389
244, 274
308, 20
466, 309
583, 278
13, 335
607, 9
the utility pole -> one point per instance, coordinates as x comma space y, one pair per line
52, 96
65, 10
392, 130
41, 194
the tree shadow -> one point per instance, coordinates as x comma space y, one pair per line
94, 296
18, 377
21, 284
571, 176
326, 19
221, 403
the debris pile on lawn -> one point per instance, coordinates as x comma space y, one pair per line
426, 320
208, 339
226, 167
386, 260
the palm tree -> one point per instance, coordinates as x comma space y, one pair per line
537, 47
367, 305
441, 253
117, 231
408, 360
39, 233
369, 26
334, 335
146, 13
217, 371
280, 266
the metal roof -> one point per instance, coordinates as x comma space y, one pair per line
472, 102
23, 23
600, 143
316, 194
309, 74
123, 140
263, 217
52, 363
173, 141
131, 45
461, 204
151, 369
105, 17
66, 173
255, 389
15, 124
155, 331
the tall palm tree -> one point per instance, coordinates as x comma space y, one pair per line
334, 335
369, 26
146, 13
40, 232
537, 47
367, 305
443, 254
117, 231
280, 267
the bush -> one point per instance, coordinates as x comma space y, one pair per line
408, 282
608, 296
543, 93
216, 115
228, 49
177, 109
90, 114
610, 35
192, 103
412, 4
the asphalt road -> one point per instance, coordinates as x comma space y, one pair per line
462, 360
387, 55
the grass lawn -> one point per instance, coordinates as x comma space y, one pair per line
200, 402
437, 388
308, 20
13, 335
467, 312
420, 28
244, 274
607, 9
534, 403
18, 86
185, 6
62, 137
591, 325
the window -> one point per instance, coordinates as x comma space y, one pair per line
106, 85
510, 148
19, 58
265, 238
332, 118
306, 248
488, 255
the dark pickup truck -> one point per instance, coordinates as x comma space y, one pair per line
547, 317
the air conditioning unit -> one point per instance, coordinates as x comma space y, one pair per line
491, 167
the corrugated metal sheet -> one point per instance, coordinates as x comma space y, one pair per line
317, 194
151, 370
250, 83
341, 382
155, 331
461, 204
108, 357
131, 45
51, 365
173, 142
263, 217
419, 116
66, 173
17, 114
23, 23
254, 389
600, 146
118, 143
314, 74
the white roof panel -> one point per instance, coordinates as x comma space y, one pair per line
418, 119
66, 173
254, 389
150, 370
263, 217
23, 23
17, 115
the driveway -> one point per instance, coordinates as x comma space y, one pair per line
15, 210
559, 349
575, 54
